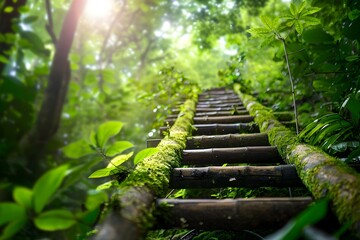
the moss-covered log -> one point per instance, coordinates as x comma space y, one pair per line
323, 175
131, 215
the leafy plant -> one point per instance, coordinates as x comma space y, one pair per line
29, 205
337, 132
297, 18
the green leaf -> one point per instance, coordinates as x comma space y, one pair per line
310, 21
106, 131
299, 27
317, 35
77, 149
293, 229
54, 220
94, 199
145, 153
118, 147
310, 10
293, 9
105, 172
23, 196
269, 23
301, 7
12, 228
11, 212
8, 9
107, 185
352, 58
118, 160
354, 14
36, 45
353, 106
30, 19
46, 186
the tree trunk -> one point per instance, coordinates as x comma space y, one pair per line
48, 119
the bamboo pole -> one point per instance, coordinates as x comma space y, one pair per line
228, 214
227, 140
253, 155
240, 176
220, 141
224, 119
323, 175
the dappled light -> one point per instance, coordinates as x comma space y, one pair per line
98, 10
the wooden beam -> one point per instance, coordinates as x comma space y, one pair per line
240, 176
221, 113
232, 104
228, 214
211, 109
253, 155
224, 119
215, 128
227, 140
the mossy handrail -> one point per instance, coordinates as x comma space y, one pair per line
131, 208
323, 175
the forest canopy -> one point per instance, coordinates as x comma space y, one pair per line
85, 80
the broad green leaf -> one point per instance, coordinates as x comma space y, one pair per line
106, 131
54, 220
118, 147
105, 172
23, 196
301, 7
12, 228
118, 160
145, 153
268, 22
353, 106
46, 186
309, 11
292, 230
107, 185
293, 9
94, 199
11, 212
259, 32
299, 27
36, 44
77, 149
352, 58
93, 138
310, 21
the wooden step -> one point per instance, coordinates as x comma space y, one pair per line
208, 105
221, 141
222, 113
214, 102
212, 109
228, 214
219, 156
215, 128
217, 119
239, 176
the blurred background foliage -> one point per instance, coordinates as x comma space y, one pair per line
132, 61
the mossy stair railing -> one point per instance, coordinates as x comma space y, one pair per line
323, 175
132, 207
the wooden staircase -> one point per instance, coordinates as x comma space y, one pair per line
227, 152
225, 134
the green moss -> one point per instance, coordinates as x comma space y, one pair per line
322, 174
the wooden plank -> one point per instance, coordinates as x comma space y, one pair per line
228, 214
227, 140
226, 101
240, 176
215, 128
221, 113
209, 109
232, 105
221, 141
224, 119
257, 154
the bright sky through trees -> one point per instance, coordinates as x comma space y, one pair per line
98, 8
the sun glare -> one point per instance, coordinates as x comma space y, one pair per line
98, 8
